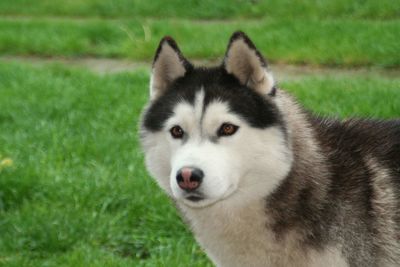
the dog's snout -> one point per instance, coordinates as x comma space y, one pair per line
189, 179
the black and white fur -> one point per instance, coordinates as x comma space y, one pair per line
287, 188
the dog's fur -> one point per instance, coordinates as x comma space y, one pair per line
288, 188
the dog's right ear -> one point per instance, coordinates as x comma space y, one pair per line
169, 64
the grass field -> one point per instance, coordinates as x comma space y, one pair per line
73, 188
333, 33
331, 42
206, 9
76, 193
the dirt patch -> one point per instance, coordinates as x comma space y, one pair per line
282, 72
96, 65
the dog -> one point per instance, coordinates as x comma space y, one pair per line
262, 181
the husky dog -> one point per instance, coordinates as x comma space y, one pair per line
261, 181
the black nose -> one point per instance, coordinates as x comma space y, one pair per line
189, 179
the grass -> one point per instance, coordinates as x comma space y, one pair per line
73, 187
334, 33
77, 190
77, 193
205, 9
327, 42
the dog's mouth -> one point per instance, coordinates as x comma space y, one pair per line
201, 201
194, 198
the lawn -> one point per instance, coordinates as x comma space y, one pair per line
303, 41
73, 187
205, 9
77, 193
334, 33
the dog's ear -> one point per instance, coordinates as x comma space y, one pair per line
244, 61
168, 65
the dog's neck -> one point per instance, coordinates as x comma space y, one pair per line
299, 193
228, 232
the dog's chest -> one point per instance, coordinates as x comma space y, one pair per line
242, 238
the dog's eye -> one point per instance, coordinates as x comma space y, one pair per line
227, 129
176, 132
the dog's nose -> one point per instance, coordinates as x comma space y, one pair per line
189, 179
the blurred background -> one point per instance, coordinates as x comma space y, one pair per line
74, 76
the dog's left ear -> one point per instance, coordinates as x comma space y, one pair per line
244, 61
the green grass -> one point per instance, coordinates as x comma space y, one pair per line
335, 33
77, 193
327, 42
205, 9
73, 187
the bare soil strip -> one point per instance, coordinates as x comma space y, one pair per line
103, 66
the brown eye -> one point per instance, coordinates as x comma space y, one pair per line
227, 129
176, 132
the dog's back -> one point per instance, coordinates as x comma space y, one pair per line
352, 197
364, 159
363, 138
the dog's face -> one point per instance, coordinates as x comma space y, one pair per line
216, 133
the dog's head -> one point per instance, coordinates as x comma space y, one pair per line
213, 133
